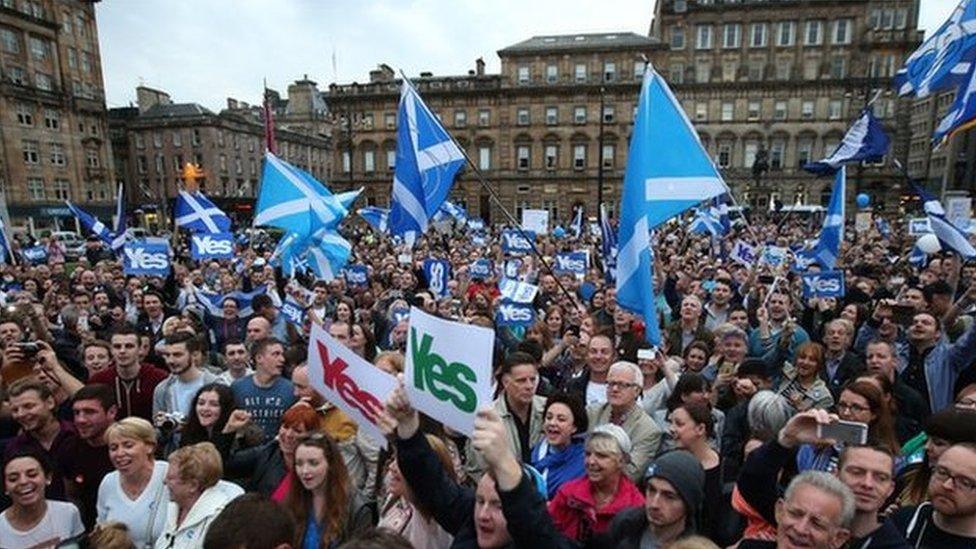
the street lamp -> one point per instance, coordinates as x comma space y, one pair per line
599, 163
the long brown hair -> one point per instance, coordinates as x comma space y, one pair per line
882, 429
338, 492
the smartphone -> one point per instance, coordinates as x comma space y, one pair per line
903, 314
766, 279
844, 432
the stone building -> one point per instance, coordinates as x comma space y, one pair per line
154, 140
950, 167
53, 120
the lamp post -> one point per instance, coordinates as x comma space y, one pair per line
599, 163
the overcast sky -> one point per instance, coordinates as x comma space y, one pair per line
207, 50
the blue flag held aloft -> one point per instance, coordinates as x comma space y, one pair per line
213, 302
325, 253
6, 256
962, 113
211, 246
827, 249
427, 160
294, 201
950, 236
119, 234
608, 246
865, 141
348, 198
91, 223
293, 312
36, 255
577, 225
705, 222
377, 218
944, 59
196, 213
149, 257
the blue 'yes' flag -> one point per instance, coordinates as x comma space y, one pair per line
147, 257
437, 272
211, 246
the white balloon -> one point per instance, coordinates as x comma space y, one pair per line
928, 243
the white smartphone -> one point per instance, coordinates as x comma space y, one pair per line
844, 432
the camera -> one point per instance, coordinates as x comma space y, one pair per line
29, 348
171, 420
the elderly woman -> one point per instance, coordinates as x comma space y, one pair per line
559, 455
135, 493
585, 506
31, 517
802, 384
196, 495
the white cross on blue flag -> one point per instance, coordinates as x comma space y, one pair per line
198, 214
427, 159
832, 233
944, 60
866, 140
378, 218
292, 200
91, 223
950, 236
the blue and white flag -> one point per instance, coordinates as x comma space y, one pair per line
865, 141
427, 160
571, 262
744, 253
149, 257
328, 254
942, 62
823, 284
513, 241
720, 211
6, 255
453, 210
705, 222
577, 225
917, 257
883, 226
91, 223
950, 236
211, 246
658, 185
119, 234
356, 275
349, 197
196, 213
292, 200
517, 291
377, 218
510, 313
35, 255
213, 302
962, 114
476, 224
511, 268
832, 233
608, 246
437, 272
293, 312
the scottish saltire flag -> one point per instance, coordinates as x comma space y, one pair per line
377, 218
213, 302
608, 246
328, 254
720, 210
577, 225
827, 248
118, 235
198, 214
91, 223
943, 61
950, 236
705, 222
427, 159
866, 140
917, 257
453, 210
349, 197
292, 200
962, 114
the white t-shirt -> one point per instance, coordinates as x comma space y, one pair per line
146, 515
596, 393
61, 522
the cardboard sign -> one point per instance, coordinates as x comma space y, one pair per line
862, 222
514, 243
571, 262
350, 383
476, 224
482, 269
211, 246
437, 272
959, 211
293, 312
146, 257
536, 221
510, 313
823, 284
356, 275
511, 269
744, 253
919, 225
517, 291
447, 372
36, 255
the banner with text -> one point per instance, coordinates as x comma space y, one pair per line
211, 246
514, 243
571, 262
510, 313
437, 272
146, 257
823, 284
356, 275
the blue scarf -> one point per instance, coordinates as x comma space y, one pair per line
558, 467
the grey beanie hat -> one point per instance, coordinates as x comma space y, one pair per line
682, 470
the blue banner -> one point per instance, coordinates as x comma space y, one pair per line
509, 313
437, 272
823, 284
145, 257
293, 312
400, 314
512, 267
212, 246
36, 255
514, 242
570, 262
482, 269
357, 275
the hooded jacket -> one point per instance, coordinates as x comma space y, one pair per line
575, 513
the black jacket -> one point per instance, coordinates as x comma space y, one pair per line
849, 368
626, 530
886, 536
259, 469
453, 505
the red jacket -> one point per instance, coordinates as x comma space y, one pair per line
574, 509
134, 398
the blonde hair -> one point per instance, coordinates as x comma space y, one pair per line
692, 542
198, 462
134, 428
110, 535
393, 358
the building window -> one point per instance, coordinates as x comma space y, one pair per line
552, 157
57, 155
776, 154
195, 137
784, 69
730, 35
484, 117
639, 67
31, 155
86, 62
161, 165
40, 49
842, 31
701, 112
580, 73
238, 165
814, 34
62, 190
221, 160
579, 115
779, 110
703, 37
460, 119
17, 75
9, 40
724, 155
522, 154
35, 188
728, 111
901, 18
804, 150
523, 75
609, 71
389, 120
252, 167
608, 154
43, 81
552, 74
369, 161
751, 149
25, 114
755, 108
677, 38
141, 164
756, 71
703, 72
391, 159
220, 138
729, 69
177, 164
157, 139
608, 114
838, 67
484, 157
676, 73
806, 110
346, 164
787, 33
834, 109
579, 157
552, 116
522, 116
758, 35
72, 58
52, 119
368, 121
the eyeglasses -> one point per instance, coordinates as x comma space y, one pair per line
965, 484
621, 385
847, 407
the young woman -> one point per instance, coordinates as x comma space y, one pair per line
134, 494
692, 427
212, 407
696, 356
320, 497
559, 456
690, 388
31, 520
802, 384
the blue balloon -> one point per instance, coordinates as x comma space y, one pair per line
863, 200
559, 232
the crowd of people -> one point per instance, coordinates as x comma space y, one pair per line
136, 416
